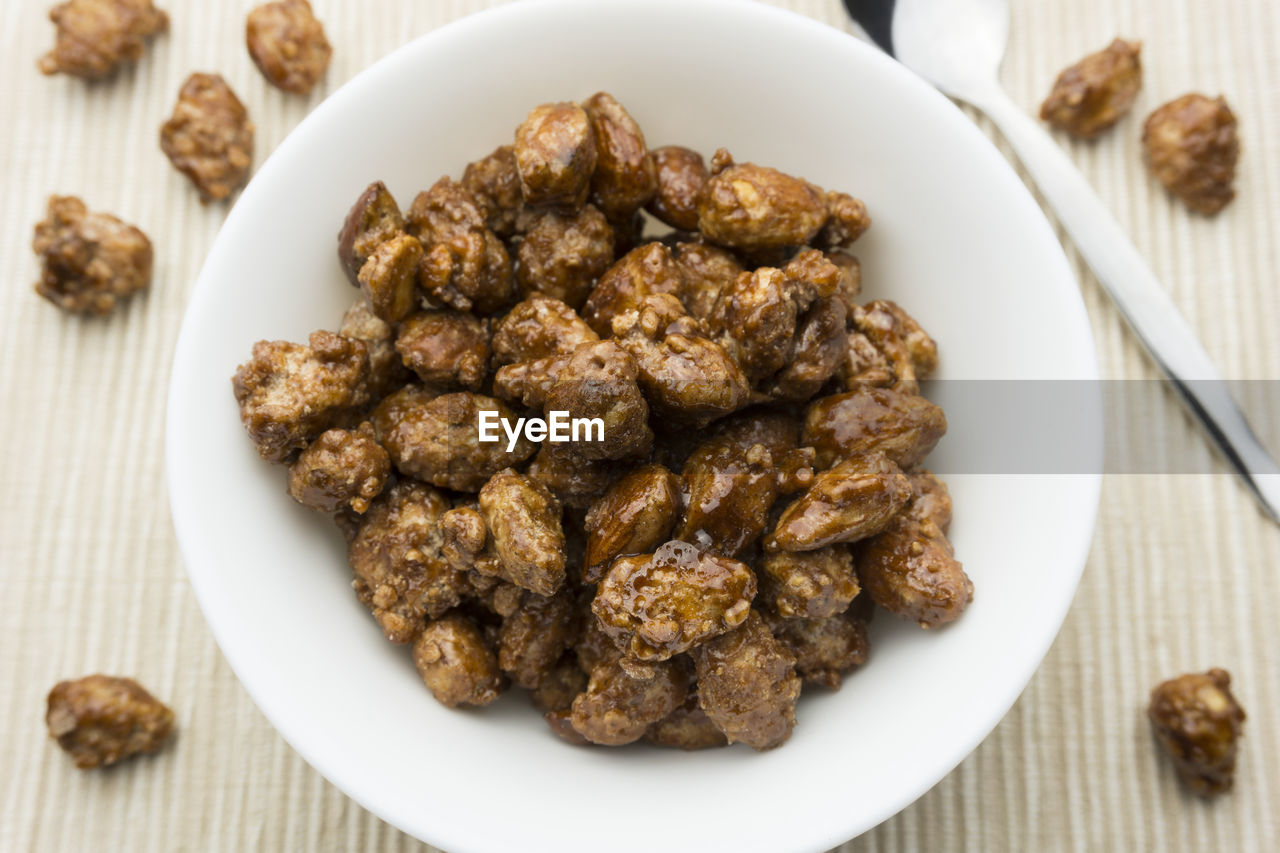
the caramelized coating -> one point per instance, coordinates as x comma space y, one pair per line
386, 371
437, 438
685, 376
747, 685
209, 137
855, 499
575, 481
341, 468
89, 261
96, 38
494, 182
816, 354
456, 664
687, 727
373, 220
808, 584
887, 338
757, 315
633, 517
563, 255
463, 536
667, 602
1096, 92
290, 393
617, 707
390, 275
644, 270
1191, 146
730, 481
101, 719
523, 519
598, 380
930, 498
825, 647
850, 276
559, 686
288, 45
445, 348
538, 327
910, 569
707, 271
847, 220
466, 266
555, 153
681, 178
750, 207
904, 427
624, 179
594, 646
535, 635
605, 572
400, 571
1199, 722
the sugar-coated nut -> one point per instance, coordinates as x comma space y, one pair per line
372, 220
555, 152
89, 262
341, 468
523, 519
667, 602
456, 664
904, 427
910, 567
681, 178
747, 685
618, 707
633, 517
102, 719
290, 393
396, 554
1192, 147
209, 137
96, 38
1198, 722
288, 45
853, 500
1097, 91
752, 207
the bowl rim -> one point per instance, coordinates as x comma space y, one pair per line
453, 837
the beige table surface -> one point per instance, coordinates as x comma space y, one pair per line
1184, 573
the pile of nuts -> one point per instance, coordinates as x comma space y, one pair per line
753, 490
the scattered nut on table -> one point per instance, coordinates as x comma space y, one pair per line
1097, 91
102, 719
288, 45
1198, 723
1191, 146
96, 38
89, 261
209, 137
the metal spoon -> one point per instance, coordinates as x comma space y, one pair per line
957, 45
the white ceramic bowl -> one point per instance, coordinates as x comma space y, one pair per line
957, 239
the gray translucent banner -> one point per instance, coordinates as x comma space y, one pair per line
1044, 427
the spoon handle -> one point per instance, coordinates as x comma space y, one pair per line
1138, 294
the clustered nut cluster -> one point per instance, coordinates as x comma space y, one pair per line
757, 491
91, 261
1190, 143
